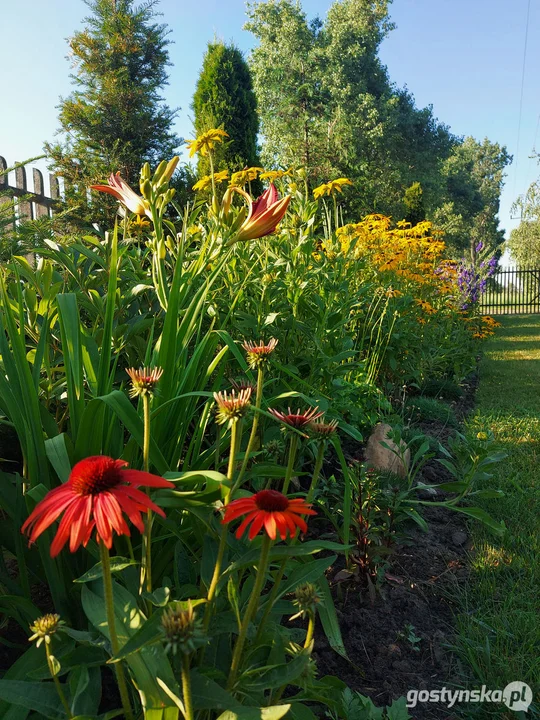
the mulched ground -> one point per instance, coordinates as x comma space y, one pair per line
417, 591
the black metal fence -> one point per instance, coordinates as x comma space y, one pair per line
512, 291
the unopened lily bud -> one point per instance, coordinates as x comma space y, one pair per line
158, 174
146, 189
145, 172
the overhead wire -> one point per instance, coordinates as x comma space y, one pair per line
521, 94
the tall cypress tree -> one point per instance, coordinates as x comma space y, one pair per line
224, 98
115, 119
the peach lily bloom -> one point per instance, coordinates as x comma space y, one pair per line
263, 216
119, 189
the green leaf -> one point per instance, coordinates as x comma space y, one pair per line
95, 572
398, 710
328, 618
208, 695
41, 697
273, 712
278, 552
58, 456
280, 675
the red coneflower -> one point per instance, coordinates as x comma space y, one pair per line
259, 354
96, 494
271, 509
297, 420
240, 384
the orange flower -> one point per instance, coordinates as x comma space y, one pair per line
297, 420
271, 509
263, 215
124, 194
259, 354
96, 495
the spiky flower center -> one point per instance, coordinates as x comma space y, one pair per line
96, 474
44, 627
182, 629
232, 406
144, 380
259, 354
271, 501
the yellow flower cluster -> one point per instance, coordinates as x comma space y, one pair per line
240, 178
206, 181
331, 187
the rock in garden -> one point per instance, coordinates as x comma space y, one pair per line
459, 538
379, 457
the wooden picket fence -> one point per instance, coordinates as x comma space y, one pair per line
512, 291
29, 203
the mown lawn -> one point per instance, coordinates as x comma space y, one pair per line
499, 624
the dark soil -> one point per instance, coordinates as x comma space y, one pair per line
415, 595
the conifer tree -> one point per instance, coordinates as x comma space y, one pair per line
115, 119
224, 98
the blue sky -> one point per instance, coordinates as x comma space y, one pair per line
465, 57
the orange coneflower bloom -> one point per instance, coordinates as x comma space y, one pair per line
232, 406
271, 509
96, 495
124, 194
144, 380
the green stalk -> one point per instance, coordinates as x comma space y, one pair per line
211, 161
236, 434
316, 472
109, 607
146, 559
57, 682
310, 630
252, 608
293, 448
254, 428
186, 687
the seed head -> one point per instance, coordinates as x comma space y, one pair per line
323, 429
183, 630
45, 627
306, 599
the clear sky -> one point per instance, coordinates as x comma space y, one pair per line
465, 57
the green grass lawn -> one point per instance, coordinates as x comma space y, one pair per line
499, 622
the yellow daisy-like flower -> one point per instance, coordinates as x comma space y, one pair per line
331, 187
240, 178
139, 225
206, 142
206, 181
275, 174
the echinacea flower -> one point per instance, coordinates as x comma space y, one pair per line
240, 384
205, 143
144, 380
45, 627
306, 599
323, 429
331, 187
297, 420
183, 631
264, 214
269, 509
232, 406
119, 189
258, 354
99, 490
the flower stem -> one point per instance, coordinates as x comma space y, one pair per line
57, 682
310, 630
252, 608
316, 472
293, 447
109, 607
186, 687
236, 435
254, 428
146, 559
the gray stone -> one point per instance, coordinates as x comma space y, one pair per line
379, 457
459, 538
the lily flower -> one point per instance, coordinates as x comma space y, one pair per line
263, 216
119, 189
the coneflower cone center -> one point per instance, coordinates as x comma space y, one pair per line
96, 475
271, 501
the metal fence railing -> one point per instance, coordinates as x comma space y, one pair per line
512, 291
